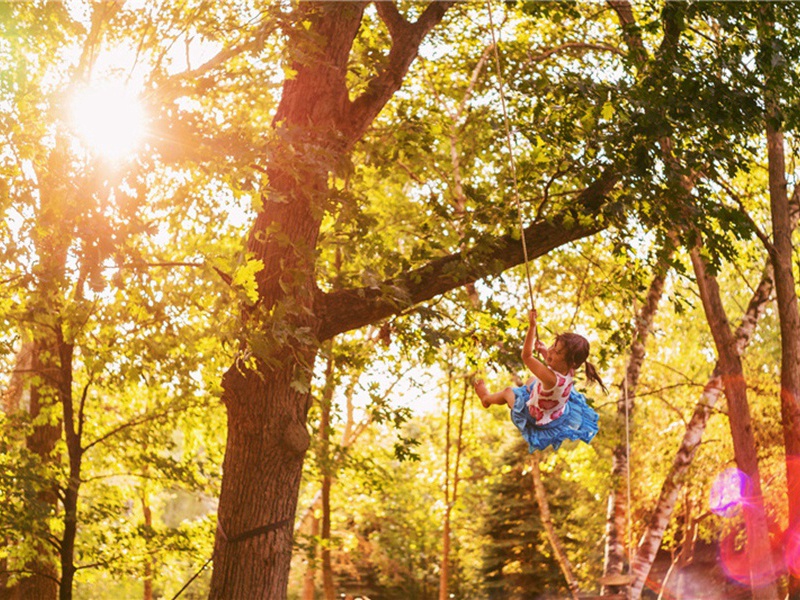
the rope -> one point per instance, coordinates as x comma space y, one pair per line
510, 144
195, 576
251, 533
628, 473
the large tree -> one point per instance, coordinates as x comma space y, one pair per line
316, 125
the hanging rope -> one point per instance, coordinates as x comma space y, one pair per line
628, 469
510, 144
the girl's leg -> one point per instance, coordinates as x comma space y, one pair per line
505, 396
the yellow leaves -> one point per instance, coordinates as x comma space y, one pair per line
539, 153
288, 72
244, 278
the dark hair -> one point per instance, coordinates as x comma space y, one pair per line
576, 351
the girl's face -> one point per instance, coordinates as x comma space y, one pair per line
555, 354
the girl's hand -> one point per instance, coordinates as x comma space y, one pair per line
541, 348
532, 317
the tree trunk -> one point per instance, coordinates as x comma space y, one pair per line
265, 391
328, 588
547, 522
147, 512
42, 582
781, 253
757, 543
444, 568
71, 493
21, 395
670, 489
786, 295
673, 482
789, 324
616, 524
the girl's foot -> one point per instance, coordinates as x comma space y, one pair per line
480, 389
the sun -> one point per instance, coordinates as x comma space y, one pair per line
109, 118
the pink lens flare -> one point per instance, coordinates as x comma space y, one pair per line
754, 571
791, 551
791, 540
728, 492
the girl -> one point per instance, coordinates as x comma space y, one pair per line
547, 410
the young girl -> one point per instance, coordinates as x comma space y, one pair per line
547, 410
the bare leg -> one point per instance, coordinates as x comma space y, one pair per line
488, 398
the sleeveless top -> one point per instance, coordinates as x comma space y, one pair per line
545, 406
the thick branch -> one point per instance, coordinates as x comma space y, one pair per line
346, 310
406, 38
391, 17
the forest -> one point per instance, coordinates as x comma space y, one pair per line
255, 254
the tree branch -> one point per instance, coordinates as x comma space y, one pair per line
573, 46
253, 41
746, 214
391, 17
133, 423
406, 38
349, 309
30, 572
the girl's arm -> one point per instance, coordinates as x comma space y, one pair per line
537, 367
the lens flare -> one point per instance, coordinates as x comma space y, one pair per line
791, 551
728, 491
756, 571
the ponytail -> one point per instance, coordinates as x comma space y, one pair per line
591, 375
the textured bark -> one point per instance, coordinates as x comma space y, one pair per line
670, 489
781, 252
40, 579
265, 394
735, 388
789, 324
616, 524
547, 522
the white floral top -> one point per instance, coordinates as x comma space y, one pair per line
546, 406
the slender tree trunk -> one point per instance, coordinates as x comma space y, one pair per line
616, 524
673, 482
329, 591
782, 259
309, 578
147, 512
71, 493
781, 253
670, 489
450, 499
547, 522
444, 569
757, 543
